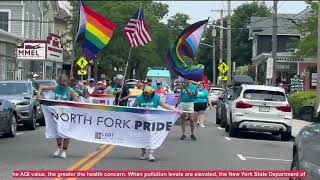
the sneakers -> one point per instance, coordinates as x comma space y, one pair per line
203, 126
183, 137
57, 152
193, 137
198, 123
143, 154
63, 155
151, 157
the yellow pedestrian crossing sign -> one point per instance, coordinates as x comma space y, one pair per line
223, 78
82, 62
223, 68
82, 72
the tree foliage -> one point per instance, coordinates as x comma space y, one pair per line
308, 44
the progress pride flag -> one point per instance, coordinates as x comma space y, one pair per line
160, 174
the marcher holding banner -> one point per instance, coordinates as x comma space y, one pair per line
62, 92
149, 99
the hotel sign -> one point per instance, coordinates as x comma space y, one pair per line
32, 50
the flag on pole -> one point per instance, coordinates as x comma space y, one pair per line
136, 31
94, 31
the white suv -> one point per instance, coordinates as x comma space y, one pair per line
260, 108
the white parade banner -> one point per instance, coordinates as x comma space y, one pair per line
116, 125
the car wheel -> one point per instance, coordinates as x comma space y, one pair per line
13, 127
227, 128
233, 131
286, 136
32, 124
295, 166
42, 122
218, 120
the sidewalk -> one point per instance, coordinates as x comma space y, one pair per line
297, 125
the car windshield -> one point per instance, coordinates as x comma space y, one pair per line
163, 80
264, 95
14, 88
45, 83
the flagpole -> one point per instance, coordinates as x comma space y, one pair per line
74, 42
129, 57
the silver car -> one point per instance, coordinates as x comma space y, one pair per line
214, 94
22, 95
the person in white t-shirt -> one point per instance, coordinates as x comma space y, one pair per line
90, 88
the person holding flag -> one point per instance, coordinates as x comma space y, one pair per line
149, 99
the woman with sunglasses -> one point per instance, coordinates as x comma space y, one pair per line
61, 92
200, 104
149, 99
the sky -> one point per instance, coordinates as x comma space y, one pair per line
200, 10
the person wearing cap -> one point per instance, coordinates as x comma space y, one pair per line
90, 88
188, 93
149, 99
121, 91
149, 83
100, 88
159, 89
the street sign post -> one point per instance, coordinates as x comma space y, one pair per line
82, 62
223, 68
223, 78
82, 72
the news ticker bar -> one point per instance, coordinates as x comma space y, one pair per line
159, 174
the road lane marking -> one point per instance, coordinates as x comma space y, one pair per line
227, 138
18, 134
95, 160
85, 159
241, 157
220, 128
270, 159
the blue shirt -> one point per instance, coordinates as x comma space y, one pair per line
149, 103
185, 96
62, 94
202, 96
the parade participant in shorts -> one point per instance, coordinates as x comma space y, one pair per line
200, 104
61, 92
149, 99
188, 95
122, 94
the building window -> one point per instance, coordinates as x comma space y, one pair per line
27, 23
4, 20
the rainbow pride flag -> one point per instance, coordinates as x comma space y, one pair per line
94, 31
187, 45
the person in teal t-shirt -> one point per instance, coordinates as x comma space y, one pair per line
62, 92
188, 94
200, 104
148, 99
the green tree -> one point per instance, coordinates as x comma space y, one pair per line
308, 44
177, 23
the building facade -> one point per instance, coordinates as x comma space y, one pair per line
35, 22
288, 65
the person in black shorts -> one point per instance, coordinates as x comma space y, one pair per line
200, 104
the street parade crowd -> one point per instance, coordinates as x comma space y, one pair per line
193, 101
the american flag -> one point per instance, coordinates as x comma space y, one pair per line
136, 31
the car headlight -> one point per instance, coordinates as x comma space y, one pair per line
23, 103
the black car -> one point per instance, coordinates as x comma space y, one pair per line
8, 120
306, 151
221, 106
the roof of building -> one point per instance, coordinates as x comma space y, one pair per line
263, 25
9, 37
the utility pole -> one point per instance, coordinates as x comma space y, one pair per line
274, 42
214, 68
229, 43
221, 38
318, 63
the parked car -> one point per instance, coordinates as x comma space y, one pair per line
260, 108
8, 120
222, 104
306, 151
22, 95
214, 94
46, 94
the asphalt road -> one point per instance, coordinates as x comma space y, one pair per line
213, 150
